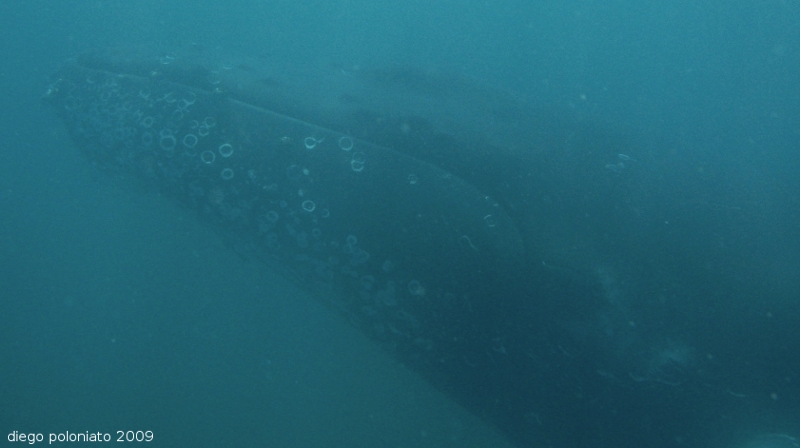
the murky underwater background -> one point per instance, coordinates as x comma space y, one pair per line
122, 312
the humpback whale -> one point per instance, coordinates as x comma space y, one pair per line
412, 215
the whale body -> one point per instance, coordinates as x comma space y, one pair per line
407, 200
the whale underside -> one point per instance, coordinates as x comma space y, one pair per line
415, 203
